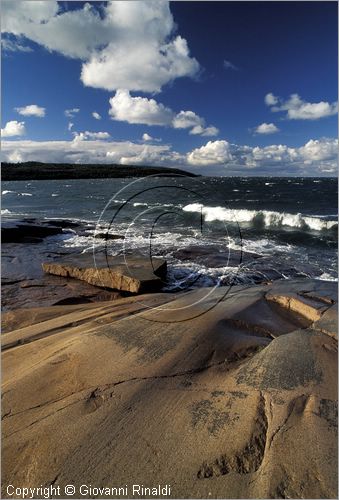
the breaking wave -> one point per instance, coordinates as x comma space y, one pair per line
262, 218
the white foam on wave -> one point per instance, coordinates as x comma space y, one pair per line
8, 191
265, 218
140, 204
326, 277
262, 246
5, 211
190, 275
77, 241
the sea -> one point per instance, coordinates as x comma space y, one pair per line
211, 230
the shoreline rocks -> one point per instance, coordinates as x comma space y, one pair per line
237, 402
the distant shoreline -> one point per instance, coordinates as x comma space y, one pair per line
54, 171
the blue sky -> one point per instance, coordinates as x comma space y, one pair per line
219, 88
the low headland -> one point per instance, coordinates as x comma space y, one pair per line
33, 170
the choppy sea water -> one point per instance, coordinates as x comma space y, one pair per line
210, 230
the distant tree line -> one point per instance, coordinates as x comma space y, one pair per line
32, 170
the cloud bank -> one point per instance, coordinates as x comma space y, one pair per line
316, 157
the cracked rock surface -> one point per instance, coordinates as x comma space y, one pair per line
238, 402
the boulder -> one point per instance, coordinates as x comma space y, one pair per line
135, 274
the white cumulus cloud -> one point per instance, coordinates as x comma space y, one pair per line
298, 109
124, 107
141, 110
74, 33
32, 110
213, 153
148, 138
204, 131
316, 157
319, 150
266, 128
131, 45
187, 119
96, 115
13, 128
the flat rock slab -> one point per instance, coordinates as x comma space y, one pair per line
135, 274
306, 305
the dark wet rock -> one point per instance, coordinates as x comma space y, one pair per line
109, 236
30, 230
27, 233
63, 223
